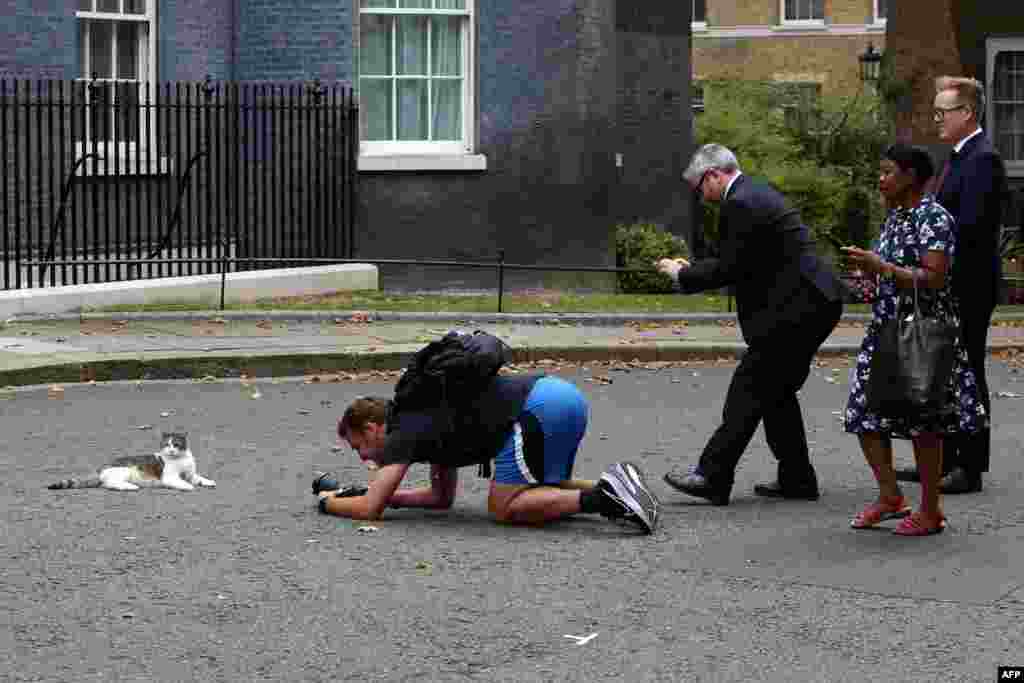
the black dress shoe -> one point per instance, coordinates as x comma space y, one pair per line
960, 481
792, 492
908, 474
696, 484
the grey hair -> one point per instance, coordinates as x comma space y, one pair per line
710, 156
969, 91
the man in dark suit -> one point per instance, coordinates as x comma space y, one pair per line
788, 302
972, 187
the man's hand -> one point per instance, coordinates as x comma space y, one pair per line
671, 266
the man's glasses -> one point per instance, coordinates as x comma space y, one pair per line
698, 190
940, 112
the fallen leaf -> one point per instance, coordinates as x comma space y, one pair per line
55, 391
144, 427
368, 529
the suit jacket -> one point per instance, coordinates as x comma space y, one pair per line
973, 191
766, 254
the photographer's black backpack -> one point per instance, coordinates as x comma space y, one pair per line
450, 372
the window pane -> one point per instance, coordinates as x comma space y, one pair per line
446, 46
790, 9
414, 4
127, 114
412, 109
375, 109
134, 6
108, 6
378, 3
101, 58
451, 4
817, 9
447, 110
99, 119
84, 5
83, 56
883, 9
128, 50
700, 8
375, 39
1010, 131
412, 45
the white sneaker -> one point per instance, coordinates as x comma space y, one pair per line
624, 483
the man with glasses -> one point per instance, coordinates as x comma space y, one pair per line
788, 302
972, 187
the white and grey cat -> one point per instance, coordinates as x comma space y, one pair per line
173, 466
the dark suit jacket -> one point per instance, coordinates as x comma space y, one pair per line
766, 254
973, 191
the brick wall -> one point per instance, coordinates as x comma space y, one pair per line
813, 56
564, 86
828, 60
38, 39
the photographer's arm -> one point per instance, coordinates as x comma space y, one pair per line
372, 505
438, 496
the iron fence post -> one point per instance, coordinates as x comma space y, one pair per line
501, 276
223, 272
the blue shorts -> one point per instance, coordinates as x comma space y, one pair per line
541, 447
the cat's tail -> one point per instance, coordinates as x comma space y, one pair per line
84, 483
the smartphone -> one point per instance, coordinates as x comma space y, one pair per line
834, 242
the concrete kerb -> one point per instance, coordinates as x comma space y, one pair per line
187, 365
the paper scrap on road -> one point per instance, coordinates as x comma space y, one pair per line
582, 640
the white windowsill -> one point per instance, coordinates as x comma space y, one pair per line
698, 26
422, 162
125, 166
801, 26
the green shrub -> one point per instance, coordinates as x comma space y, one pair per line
638, 246
825, 160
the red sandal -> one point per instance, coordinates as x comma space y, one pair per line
872, 515
914, 526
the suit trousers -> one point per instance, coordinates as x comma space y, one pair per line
972, 452
764, 389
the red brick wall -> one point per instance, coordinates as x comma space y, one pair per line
824, 58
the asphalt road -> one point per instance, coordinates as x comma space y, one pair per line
248, 582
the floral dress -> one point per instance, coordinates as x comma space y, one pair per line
907, 235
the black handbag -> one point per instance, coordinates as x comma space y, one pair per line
911, 366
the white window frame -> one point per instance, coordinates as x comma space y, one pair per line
127, 152
699, 25
878, 21
396, 155
799, 23
1014, 167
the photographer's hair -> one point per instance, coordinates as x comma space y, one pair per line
912, 159
710, 156
969, 91
361, 412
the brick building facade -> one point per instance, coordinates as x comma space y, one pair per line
531, 126
811, 42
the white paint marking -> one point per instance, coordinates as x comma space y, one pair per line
582, 640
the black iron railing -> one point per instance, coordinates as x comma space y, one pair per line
105, 181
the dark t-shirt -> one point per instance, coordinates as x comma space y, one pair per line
456, 438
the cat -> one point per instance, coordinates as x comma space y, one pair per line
173, 466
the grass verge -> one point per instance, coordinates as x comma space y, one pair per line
545, 301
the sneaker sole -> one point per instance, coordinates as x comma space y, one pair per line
628, 483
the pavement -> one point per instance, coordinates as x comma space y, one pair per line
104, 347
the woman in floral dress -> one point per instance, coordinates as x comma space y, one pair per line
917, 240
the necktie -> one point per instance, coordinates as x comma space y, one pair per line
945, 171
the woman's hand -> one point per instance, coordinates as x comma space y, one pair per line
867, 261
671, 266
